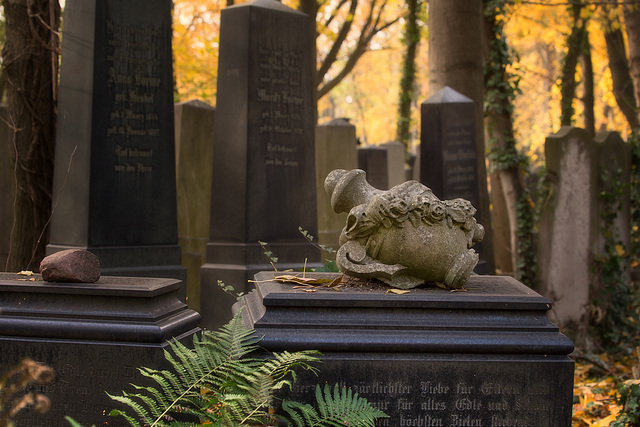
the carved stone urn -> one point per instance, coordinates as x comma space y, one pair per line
405, 236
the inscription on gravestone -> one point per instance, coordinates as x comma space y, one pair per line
447, 147
459, 161
433, 392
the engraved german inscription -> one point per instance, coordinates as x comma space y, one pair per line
280, 102
133, 81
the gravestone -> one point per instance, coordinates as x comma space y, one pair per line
571, 221
384, 164
335, 149
568, 226
373, 160
114, 177
613, 168
94, 336
263, 185
484, 357
448, 164
396, 157
6, 189
194, 124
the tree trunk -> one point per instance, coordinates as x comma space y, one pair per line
500, 90
455, 60
30, 61
408, 80
619, 67
632, 26
587, 83
575, 43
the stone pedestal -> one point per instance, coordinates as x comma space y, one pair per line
484, 356
94, 335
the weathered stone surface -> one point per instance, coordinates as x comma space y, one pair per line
572, 224
405, 236
71, 265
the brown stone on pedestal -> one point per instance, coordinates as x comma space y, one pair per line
72, 265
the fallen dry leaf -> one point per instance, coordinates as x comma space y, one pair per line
397, 291
289, 278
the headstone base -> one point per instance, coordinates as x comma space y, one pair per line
487, 356
94, 336
137, 261
235, 264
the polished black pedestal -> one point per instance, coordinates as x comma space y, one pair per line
485, 357
94, 335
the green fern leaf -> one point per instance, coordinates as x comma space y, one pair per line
343, 407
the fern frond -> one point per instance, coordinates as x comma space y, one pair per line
132, 421
343, 407
140, 411
218, 383
302, 414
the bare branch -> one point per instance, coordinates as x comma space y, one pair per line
342, 36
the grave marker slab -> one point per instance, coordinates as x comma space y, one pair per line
384, 162
614, 168
571, 221
335, 149
396, 158
567, 226
448, 162
94, 335
194, 122
115, 166
373, 160
263, 185
484, 357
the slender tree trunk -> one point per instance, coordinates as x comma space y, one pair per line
620, 75
632, 27
455, 60
30, 61
575, 43
408, 80
587, 83
503, 155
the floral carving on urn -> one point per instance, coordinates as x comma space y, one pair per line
405, 236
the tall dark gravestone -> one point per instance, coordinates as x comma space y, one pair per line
448, 162
115, 161
263, 164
